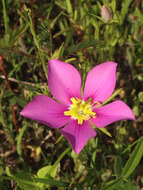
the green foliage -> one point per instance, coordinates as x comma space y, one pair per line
122, 180
33, 156
27, 181
133, 161
19, 141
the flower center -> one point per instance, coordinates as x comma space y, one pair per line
80, 110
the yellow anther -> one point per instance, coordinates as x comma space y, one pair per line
80, 110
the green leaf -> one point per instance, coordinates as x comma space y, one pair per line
19, 139
113, 95
58, 52
18, 33
69, 7
86, 44
131, 145
118, 165
129, 186
125, 9
24, 180
119, 184
140, 16
51, 182
27, 181
52, 24
112, 185
46, 172
5, 17
61, 4
49, 170
133, 160
104, 130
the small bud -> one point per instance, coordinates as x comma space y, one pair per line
105, 13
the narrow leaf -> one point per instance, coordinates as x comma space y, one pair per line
86, 44
104, 130
125, 9
133, 160
113, 95
112, 185
19, 139
69, 7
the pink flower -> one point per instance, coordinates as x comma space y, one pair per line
73, 111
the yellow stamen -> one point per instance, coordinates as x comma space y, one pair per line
80, 110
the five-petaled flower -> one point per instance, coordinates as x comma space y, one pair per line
73, 111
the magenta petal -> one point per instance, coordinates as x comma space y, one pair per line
64, 81
78, 135
47, 111
112, 112
100, 82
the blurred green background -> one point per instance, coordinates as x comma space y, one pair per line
35, 157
